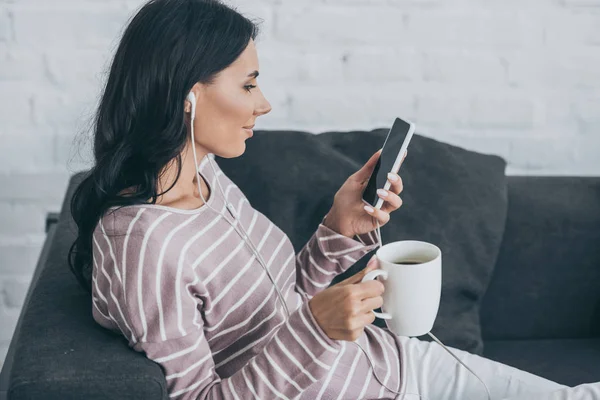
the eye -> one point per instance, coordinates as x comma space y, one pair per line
249, 87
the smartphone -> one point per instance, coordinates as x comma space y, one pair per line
394, 147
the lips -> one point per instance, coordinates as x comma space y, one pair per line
248, 127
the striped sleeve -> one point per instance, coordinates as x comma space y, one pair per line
327, 254
297, 355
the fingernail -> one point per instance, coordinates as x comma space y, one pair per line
382, 193
368, 209
392, 177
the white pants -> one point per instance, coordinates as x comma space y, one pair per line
433, 374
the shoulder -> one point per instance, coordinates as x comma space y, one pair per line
133, 231
149, 244
139, 221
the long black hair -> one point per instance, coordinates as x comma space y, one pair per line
140, 126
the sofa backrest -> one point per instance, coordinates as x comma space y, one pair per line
546, 282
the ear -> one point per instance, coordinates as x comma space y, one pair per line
192, 97
187, 103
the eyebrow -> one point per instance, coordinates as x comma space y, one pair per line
253, 74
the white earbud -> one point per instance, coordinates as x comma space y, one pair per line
192, 100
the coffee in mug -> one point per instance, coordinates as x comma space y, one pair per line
406, 262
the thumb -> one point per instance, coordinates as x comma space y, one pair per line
367, 169
356, 278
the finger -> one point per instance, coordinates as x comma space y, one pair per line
371, 266
391, 200
396, 184
365, 172
368, 289
382, 216
373, 262
372, 303
356, 278
367, 318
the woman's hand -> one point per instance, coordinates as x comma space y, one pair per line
348, 215
343, 310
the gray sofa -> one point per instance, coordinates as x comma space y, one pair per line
521, 273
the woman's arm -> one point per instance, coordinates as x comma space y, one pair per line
327, 254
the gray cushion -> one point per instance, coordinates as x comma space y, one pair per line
547, 278
453, 198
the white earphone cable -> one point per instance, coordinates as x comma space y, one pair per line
249, 242
231, 209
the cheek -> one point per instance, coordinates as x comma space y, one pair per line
241, 109
228, 114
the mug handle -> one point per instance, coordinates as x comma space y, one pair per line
372, 275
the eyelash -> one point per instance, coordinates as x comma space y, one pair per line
248, 87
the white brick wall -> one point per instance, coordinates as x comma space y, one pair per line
516, 78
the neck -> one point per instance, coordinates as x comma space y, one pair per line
186, 186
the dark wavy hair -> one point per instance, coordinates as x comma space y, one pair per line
140, 126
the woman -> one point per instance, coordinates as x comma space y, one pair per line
179, 262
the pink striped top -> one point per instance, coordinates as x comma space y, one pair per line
184, 288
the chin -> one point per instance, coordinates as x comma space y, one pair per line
232, 152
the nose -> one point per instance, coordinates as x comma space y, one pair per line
263, 107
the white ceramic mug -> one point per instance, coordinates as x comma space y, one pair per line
412, 291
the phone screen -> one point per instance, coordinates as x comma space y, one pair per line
391, 148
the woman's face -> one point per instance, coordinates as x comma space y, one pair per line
232, 102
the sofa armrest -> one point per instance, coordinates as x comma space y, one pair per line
57, 366
8, 361
51, 219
